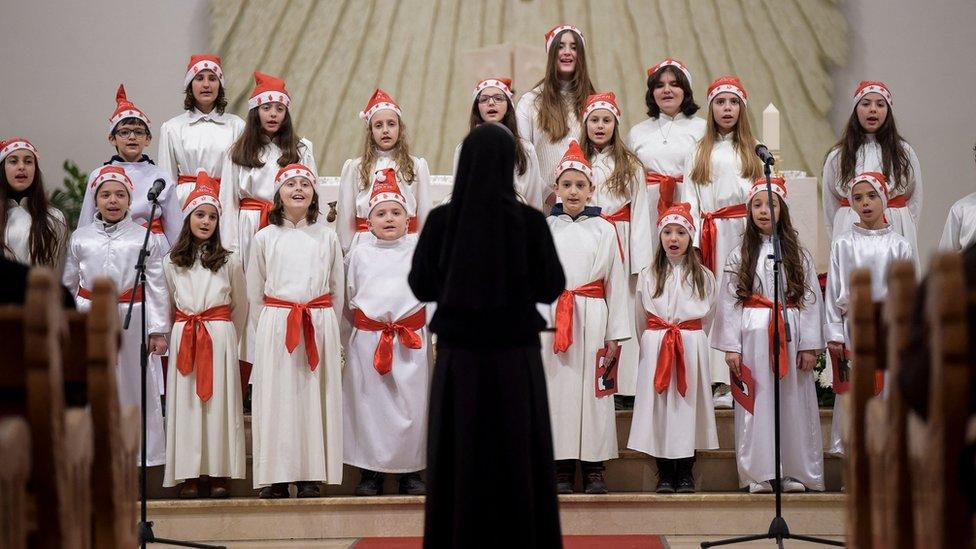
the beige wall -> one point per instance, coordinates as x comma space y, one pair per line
59, 90
924, 51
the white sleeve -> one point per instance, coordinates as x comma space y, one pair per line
950, 233
229, 204
170, 209
346, 208
620, 322
913, 189
525, 117
641, 236
688, 191
828, 192
837, 298
238, 294
157, 302
726, 332
421, 190
535, 185
87, 213
810, 330
71, 277
255, 274
167, 156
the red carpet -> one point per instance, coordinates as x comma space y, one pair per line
569, 542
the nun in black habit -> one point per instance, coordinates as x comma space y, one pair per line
487, 260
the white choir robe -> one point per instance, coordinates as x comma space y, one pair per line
529, 186
668, 425
384, 416
960, 227
727, 188
839, 218
16, 234
663, 145
237, 226
634, 238
142, 174
98, 250
549, 152
297, 412
857, 248
193, 141
353, 201
206, 438
745, 330
584, 427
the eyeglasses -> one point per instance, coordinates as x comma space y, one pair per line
497, 98
124, 134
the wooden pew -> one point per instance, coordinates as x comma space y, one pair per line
941, 513
31, 384
864, 361
14, 475
115, 489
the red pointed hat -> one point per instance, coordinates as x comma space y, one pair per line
291, 171
379, 101
574, 159
386, 189
8, 146
670, 62
112, 173
203, 62
124, 109
759, 186
872, 86
877, 180
554, 32
679, 213
730, 84
206, 191
603, 100
504, 84
268, 89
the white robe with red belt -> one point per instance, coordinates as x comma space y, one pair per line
745, 330
99, 250
206, 437
584, 426
297, 412
353, 199
193, 141
634, 239
667, 424
384, 415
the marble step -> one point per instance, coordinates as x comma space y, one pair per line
717, 514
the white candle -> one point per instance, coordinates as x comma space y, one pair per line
771, 128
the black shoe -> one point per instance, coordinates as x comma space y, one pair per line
623, 402
308, 489
370, 484
565, 476
665, 476
411, 485
278, 490
685, 479
594, 483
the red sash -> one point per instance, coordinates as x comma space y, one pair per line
564, 312
709, 233
672, 352
362, 228
668, 184
124, 297
156, 227
300, 323
257, 205
757, 301
405, 328
623, 214
196, 347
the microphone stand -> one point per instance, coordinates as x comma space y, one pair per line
778, 529
146, 534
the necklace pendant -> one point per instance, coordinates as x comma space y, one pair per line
665, 140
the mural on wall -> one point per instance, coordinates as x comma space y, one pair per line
428, 54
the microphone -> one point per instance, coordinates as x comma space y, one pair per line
763, 153
157, 189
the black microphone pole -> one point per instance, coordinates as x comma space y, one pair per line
146, 534
778, 529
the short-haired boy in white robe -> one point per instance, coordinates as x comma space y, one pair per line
385, 382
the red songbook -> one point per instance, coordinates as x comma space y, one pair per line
744, 388
606, 373
841, 366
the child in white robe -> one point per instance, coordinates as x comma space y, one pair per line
109, 247
385, 146
385, 383
870, 243
204, 408
294, 285
620, 193
742, 329
673, 413
590, 315
960, 226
